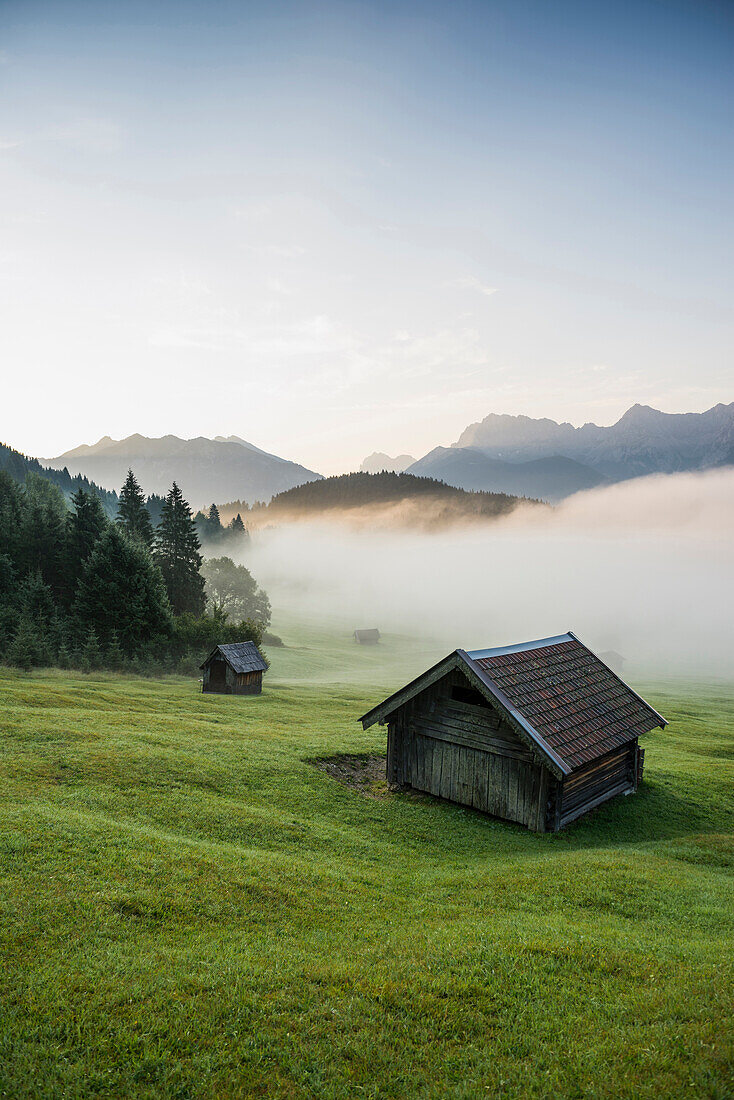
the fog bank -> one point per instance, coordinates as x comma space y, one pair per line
644, 567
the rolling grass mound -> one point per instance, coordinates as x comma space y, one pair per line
190, 908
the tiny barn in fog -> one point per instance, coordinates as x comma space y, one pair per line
235, 669
539, 733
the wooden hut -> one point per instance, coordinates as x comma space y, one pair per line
613, 659
367, 637
235, 669
540, 733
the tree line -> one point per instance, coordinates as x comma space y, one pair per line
81, 589
208, 524
19, 466
212, 531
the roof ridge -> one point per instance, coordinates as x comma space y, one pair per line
520, 647
514, 713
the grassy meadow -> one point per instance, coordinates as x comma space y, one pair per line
188, 908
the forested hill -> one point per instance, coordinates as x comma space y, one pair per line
359, 490
18, 465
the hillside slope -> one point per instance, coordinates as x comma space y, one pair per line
402, 498
205, 469
19, 465
192, 909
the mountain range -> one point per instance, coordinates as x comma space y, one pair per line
517, 455
206, 470
541, 458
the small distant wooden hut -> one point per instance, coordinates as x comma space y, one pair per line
539, 733
234, 669
613, 659
367, 637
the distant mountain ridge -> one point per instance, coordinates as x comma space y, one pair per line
205, 469
375, 463
522, 455
549, 479
643, 441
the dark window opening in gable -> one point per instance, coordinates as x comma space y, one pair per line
468, 695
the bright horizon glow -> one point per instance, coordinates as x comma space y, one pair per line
333, 229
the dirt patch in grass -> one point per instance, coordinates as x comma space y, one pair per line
361, 772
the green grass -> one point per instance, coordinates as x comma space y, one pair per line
189, 909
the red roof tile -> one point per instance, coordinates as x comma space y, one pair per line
576, 705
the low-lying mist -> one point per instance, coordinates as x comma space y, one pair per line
643, 567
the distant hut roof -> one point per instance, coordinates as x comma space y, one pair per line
610, 655
615, 660
372, 635
555, 692
240, 656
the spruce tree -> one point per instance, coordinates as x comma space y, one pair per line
114, 657
237, 527
121, 590
25, 651
92, 652
84, 527
177, 553
12, 506
132, 514
36, 604
42, 535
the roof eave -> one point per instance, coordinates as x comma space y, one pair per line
388, 706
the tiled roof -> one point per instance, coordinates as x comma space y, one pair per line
241, 657
575, 705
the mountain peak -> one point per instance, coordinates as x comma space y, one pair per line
205, 469
640, 414
379, 461
644, 440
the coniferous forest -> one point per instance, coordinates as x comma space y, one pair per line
81, 589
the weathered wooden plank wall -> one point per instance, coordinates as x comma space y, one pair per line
599, 781
464, 752
234, 683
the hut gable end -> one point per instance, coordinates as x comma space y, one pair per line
479, 682
452, 710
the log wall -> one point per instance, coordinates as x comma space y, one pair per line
602, 779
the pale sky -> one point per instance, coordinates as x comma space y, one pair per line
339, 228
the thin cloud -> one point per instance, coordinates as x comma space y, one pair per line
469, 282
